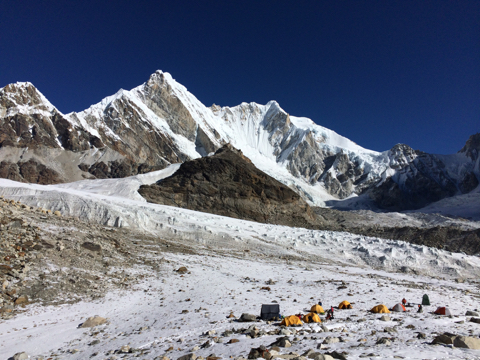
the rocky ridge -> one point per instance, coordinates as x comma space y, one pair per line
228, 184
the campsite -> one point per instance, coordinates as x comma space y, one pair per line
181, 292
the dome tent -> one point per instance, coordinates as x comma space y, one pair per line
317, 309
398, 308
345, 305
443, 311
311, 318
291, 320
380, 309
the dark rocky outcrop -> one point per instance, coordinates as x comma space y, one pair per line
29, 171
117, 169
450, 238
472, 147
229, 184
419, 180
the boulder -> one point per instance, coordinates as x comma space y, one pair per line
93, 321
445, 338
21, 300
471, 313
337, 355
390, 330
190, 356
385, 318
20, 356
384, 341
247, 318
467, 342
285, 332
331, 340
319, 356
308, 353
282, 342
91, 246
475, 320
260, 352
125, 349
182, 270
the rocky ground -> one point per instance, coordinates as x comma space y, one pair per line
175, 298
50, 259
441, 232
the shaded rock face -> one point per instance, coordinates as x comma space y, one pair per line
229, 184
419, 180
160, 99
30, 172
472, 147
122, 128
29, 121
336, 171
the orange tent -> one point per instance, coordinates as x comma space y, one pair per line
443, 311
311, 318
345, 305
317, 309
380, 309
398, 308
291, 320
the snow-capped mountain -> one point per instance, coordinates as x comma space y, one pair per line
159, 123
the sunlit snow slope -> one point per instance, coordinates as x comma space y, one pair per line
291, 149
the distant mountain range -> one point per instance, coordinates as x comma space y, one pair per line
160, 123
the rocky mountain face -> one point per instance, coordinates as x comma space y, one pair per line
160, 123
228, 184
420, 179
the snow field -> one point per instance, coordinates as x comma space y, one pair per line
150, 316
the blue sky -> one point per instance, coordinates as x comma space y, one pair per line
377, 72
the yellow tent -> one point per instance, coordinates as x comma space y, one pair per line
291, 320
317, 309
380, 309
311, 318
345, 305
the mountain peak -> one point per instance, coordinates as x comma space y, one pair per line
472, 146
24, 97
160, 77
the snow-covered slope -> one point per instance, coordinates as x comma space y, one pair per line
113, 202
288, 148
160, 123
317, 162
